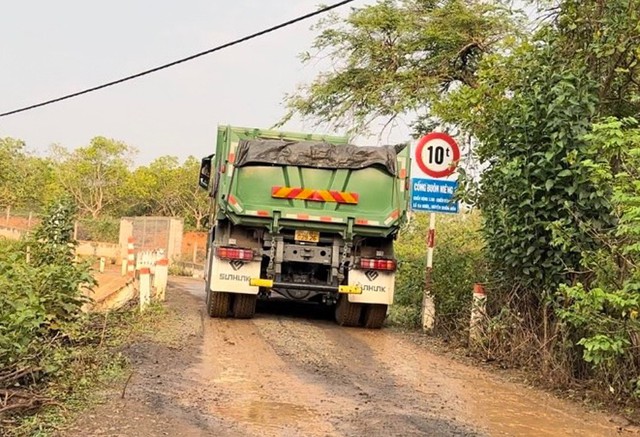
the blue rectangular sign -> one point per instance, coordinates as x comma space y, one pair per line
433, 195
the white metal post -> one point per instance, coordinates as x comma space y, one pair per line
131, 257
145, 288
478, 312
431, 239
162, 276
428, 307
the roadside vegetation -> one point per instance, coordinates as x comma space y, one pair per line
458, 264
104, 184
52, 355
546, 111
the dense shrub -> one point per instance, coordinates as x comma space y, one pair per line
598, 319
40, 305
559, 194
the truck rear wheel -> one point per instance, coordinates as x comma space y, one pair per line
374, 315
244, 306
347, 313
217, 304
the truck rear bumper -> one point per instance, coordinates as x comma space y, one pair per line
268, 283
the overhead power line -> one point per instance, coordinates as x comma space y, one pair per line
182, 60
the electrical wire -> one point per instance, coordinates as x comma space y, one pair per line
182, 60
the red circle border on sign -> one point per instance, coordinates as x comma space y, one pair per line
437, 136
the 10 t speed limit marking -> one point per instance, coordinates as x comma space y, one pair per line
437, 155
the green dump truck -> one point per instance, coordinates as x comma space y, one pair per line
303, 217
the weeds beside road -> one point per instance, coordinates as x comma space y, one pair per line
52, 355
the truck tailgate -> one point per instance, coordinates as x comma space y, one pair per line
370, 196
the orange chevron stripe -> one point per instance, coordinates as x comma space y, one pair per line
349, 198
305, 194
326, 195
280, 192
314, 195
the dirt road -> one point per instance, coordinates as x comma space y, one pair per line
282, 375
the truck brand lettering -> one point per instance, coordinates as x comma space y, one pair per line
230, 277
374, 288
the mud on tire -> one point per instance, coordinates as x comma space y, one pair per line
218, 304
374, 315
244, 306
347, 313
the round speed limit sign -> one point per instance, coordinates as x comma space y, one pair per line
437, 155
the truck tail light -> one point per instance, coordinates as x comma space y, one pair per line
377, 264
234, 253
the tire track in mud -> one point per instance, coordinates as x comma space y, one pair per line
255, 387
499, 408
404, 389
284, 376
329, 356
162, 398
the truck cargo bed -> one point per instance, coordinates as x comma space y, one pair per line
366, 194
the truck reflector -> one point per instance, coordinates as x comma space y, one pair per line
377, 264
394, 216
234, 253
260, 213
234, 203
315, 195
315, 218
366, 222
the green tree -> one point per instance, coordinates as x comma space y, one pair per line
396, 57
166, 187
94, 175
24, 177
558, 191
155, 189
195, 202
530, 112
11, 152
603, 37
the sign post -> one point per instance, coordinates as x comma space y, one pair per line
433, 184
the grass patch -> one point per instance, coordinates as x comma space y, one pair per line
89, 368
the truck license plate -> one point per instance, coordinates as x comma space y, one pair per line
308, 236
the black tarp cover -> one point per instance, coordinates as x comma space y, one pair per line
315, 154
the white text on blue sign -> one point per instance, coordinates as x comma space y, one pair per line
433, 195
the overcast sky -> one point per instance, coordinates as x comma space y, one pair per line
52, 48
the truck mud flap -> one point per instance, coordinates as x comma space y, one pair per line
233, 276
377, 286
